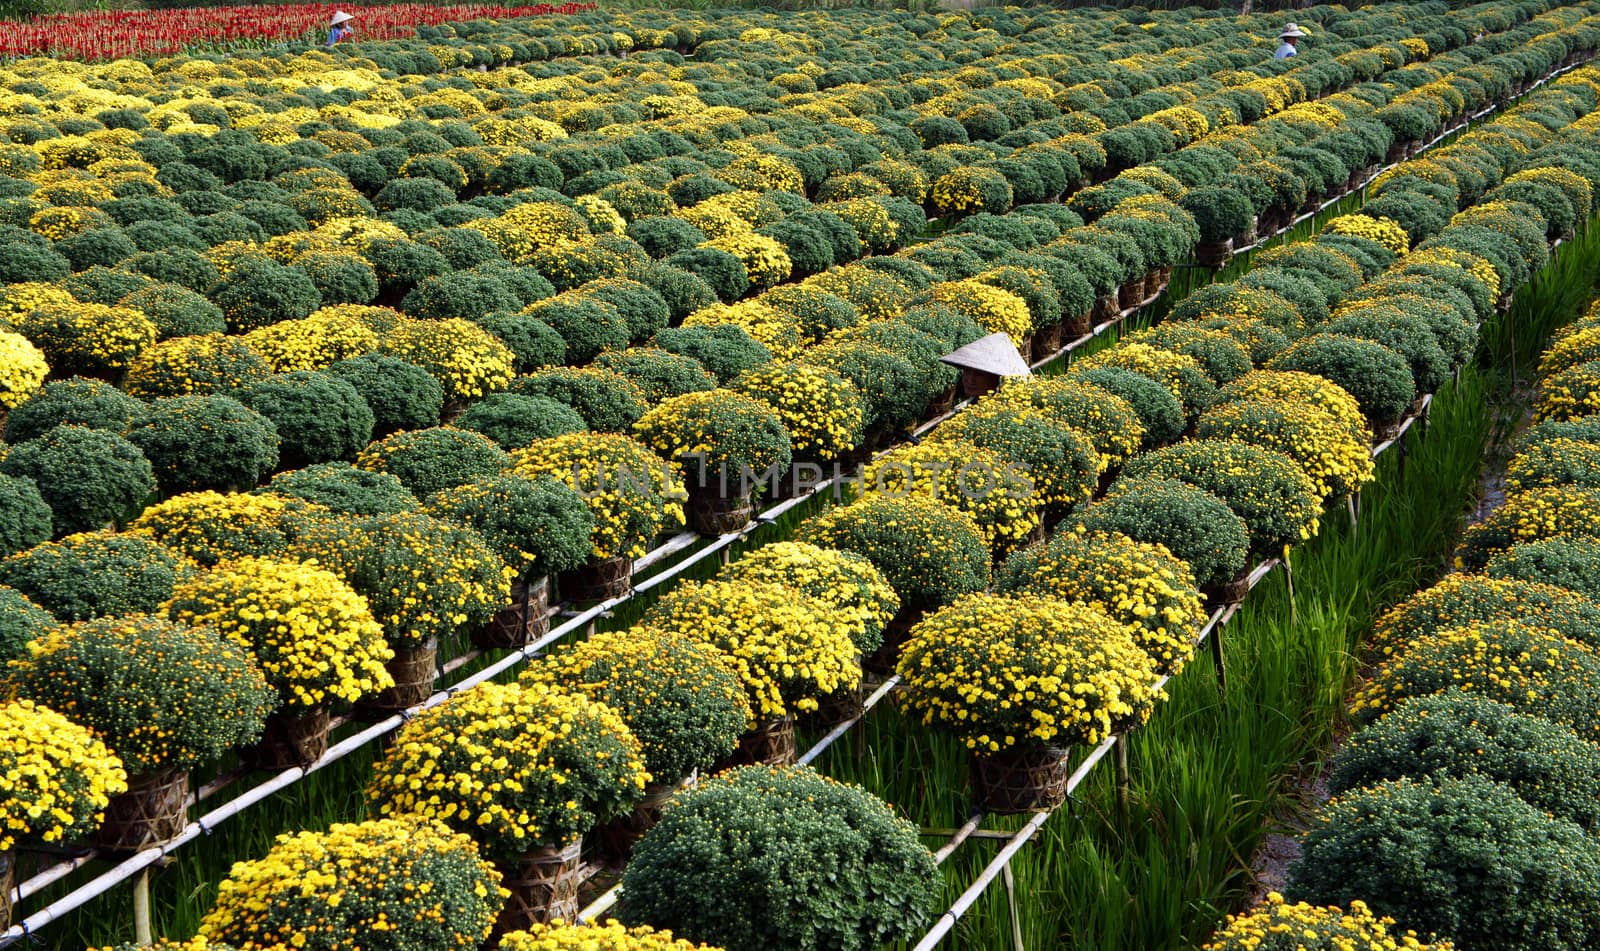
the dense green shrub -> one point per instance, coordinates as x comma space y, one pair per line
588, 326
607, 401
513, 420
1407, 336
88, 477
1376, 376
1572, 563
77, 401
206, 442
1158, 409
176, 310
534, 343
657, 373
1458, 734
94, 574
428, 460
342, 488
1463, 857
258, 292
24, 516
724, 350
812, 863
1192, 523
20, 622
538, 526
401, 395
318, 416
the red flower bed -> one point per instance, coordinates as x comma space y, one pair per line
112, 34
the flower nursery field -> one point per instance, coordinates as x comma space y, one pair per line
380, 568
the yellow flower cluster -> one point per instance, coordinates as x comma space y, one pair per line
871, 220
788, 649
998, 494
1529, 516
1323, 448
22, 369
314, 342
1102, 417
1571, 393
522, 231
199, 364
823, 412
94, 338
312, 636
1003, 672
1307, 389
1277, 925
55, 776
765, 260
633, 494
384, 885
1476, 265
25, 297
516, 767
1384, 231
208, 527
610, 936
1139, 584
843, 580
467, 360
995, 310
768, 326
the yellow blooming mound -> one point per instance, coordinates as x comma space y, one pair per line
1105, 419
1179, 373
789, 650
634, 494
995, 310
87, 338
1460, 599
1059, 461
765, 260
386, 885
610, 936
313, 637
843, 580
1004, 672
22, 369
1295, 386
678, 695
1523, 664
209, 527
55, 777
1572, 392
1323, 447
1530, 516
769, 327
23, 298
1000, 495
467, 360
1476, 265
173, 944
311, 343
197, 365
515, 767
1384, 231
1139, 584
1280, 926
823, 412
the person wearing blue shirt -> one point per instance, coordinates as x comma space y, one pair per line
339, 28
1290, 36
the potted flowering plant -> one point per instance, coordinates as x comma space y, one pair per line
401, 884
999, 494
727, 442
824, 413
679, 697
56, 780
538, 526
610, 936
788, 650
550, 766
633, 494
424, 579
166, 698
313, 637
1051, 673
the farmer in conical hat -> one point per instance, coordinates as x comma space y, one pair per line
1290, 36
339, 28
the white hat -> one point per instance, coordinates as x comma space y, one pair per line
994, 354
1290, 30
340, 17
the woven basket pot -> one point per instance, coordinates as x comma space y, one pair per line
617, 837
713, 511
1047, 339
1131, 294
543, 883
598, 580
8, 886
153, 811
1228, 592
525, 620
770, 744
1021, 780
413, 670
293, 737
884, 659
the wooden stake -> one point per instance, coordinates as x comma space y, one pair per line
141, 909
